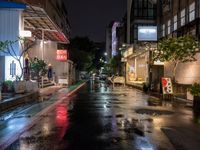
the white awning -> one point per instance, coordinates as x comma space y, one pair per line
36, 20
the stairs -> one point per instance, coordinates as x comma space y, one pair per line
46, 83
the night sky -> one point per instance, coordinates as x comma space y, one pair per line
90, 17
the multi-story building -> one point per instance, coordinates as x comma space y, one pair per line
46, 20
108, 42
177, 18
114, 38
143, 38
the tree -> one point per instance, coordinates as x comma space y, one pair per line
113, 65
82, 53
177, 50
38, 67
7, 48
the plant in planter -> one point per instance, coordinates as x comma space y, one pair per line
38, 68
7, 87
195, 91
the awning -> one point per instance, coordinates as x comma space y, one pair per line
37, 21
6, 4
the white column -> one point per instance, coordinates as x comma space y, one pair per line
135, 67
42, 53
42, 44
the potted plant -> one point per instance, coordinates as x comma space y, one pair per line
195, 91
38, 68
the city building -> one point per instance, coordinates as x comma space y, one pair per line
108, 43
177, 18
143, 39
115, 36
47, 24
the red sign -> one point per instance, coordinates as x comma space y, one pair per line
61, 55
167, 86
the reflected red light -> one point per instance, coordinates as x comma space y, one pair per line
61, 115
61, 119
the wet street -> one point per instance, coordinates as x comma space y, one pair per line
99, 117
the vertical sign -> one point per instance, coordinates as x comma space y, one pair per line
61, 55
167, 86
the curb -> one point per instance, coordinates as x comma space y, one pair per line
9, 140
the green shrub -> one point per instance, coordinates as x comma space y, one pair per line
195, 89
7, 86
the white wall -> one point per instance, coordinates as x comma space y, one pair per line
186, 73
10, 25
50, 49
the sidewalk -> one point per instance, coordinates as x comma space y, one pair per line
21, 99
49, 90
156, 95
13, 127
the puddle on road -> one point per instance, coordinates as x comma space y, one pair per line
153, 112
154, 102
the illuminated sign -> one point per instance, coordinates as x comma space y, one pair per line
23, 33
61, 55
158, 62
147, 33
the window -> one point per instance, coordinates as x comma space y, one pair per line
183, 17
13, 69
175, 22
192, 12
163, 30
168, 26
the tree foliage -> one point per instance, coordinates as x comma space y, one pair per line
177, 50
113, 65
38, 66
82, 53
7, 48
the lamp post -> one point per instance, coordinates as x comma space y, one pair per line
42, 54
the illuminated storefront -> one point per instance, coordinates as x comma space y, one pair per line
35, 23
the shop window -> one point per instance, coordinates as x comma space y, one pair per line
192, 12
183, 17
168, 26
175, 22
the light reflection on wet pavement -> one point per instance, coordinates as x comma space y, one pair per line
102, 118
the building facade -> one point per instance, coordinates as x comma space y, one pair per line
143, 39
177, 18
48, 23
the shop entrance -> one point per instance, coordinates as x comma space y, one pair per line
157, 73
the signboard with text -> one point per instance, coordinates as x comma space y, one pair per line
61, 55
147, 33
167, 86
